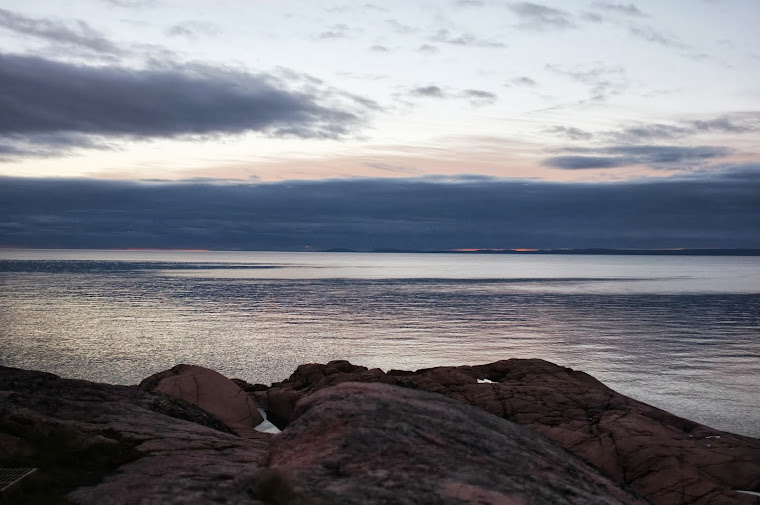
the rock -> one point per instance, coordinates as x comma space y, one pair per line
280, 399
98, 443
377, 444
280, 405
664, 458
212, 392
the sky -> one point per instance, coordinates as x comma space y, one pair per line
446, 124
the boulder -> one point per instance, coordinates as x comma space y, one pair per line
98, 443
376, 444
664, 458
212, 392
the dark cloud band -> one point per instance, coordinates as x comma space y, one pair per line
663, 157
43, 97
706, 211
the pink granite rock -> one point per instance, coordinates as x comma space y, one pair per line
212, 392
97, 444
664, 458
379, 444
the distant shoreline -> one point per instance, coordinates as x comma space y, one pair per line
592, 251
562, 251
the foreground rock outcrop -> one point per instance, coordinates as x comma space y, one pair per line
374, 443
664, 458
352, 444
376, 440
102, 444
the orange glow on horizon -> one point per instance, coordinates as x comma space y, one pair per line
476, 250
157, 249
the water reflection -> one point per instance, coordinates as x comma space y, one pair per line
689, 351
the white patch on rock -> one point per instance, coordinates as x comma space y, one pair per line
265, 426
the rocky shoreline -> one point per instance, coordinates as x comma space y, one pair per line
511, 432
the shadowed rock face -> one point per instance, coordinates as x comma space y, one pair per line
212, 392
118, 445
367, 443
374, 443
663, 458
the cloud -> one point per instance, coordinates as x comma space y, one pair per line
431, 91
40, 97
400, 27
749, 172
735, 123
193, 29
623, 9
464, 39
654, 155
363, 8
651, 131
602, 80
720, 209
397, 169
339, 31
479, 96
370, 7
540, 17
79, 34
48, 145
469, 3
628, 16
524, 81
476, 97
649, 34
594, 17
132, 4
570, 132
740, 123
427, 49
379, 49
661, 157
585, 162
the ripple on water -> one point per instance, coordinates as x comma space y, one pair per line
696, 354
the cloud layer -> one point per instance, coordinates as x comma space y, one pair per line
662, 157
41, 99
78, 35
41, 96
719, 210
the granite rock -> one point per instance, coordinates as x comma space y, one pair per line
366, 442
117, 445
664, 458
212, 392
377, 444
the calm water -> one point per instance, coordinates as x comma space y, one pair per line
681, 333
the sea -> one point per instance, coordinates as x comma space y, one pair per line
681, 333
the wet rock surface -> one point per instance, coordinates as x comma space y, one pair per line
663, 458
